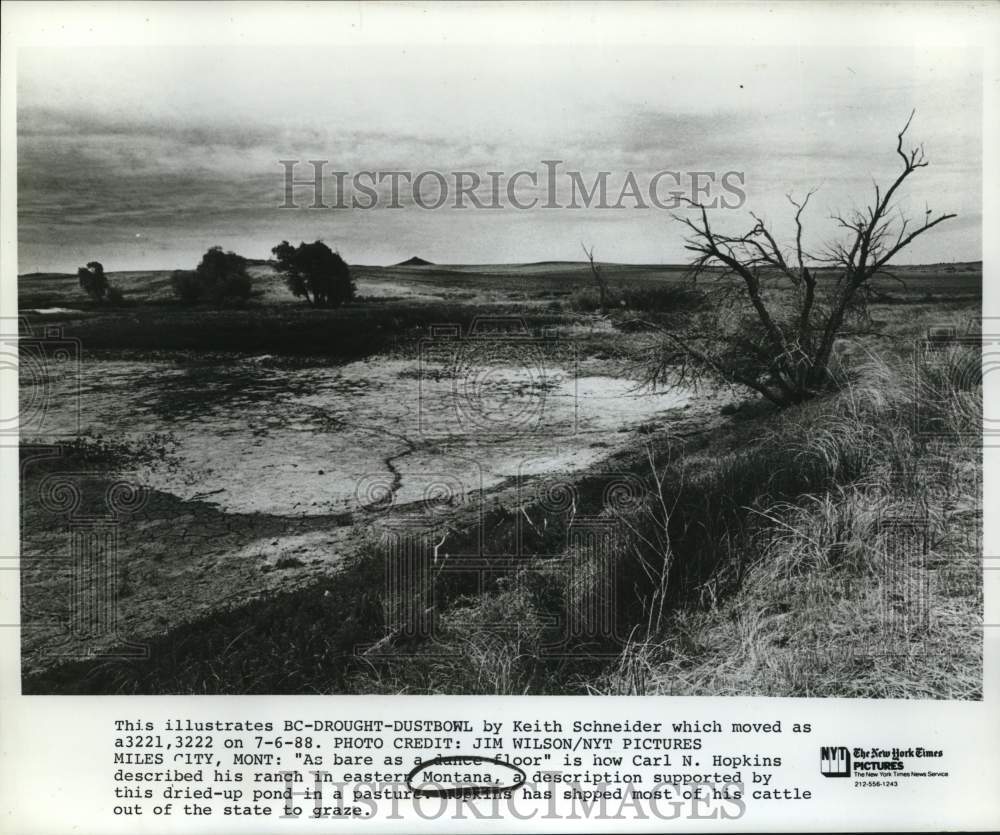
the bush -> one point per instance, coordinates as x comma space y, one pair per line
186, 286
232, 289
93, 281
639, 298
220, 278
660, 298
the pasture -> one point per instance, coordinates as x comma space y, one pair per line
487, 408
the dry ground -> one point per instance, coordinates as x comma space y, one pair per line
278, 444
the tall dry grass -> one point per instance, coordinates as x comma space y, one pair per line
815, 594
770, 565
761, 567
757, 564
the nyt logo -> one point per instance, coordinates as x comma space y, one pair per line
834, 761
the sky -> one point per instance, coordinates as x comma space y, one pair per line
142, 158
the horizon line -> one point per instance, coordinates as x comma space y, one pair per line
456, 265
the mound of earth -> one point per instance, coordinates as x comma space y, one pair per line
414, 262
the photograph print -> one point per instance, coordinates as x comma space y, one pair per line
500, 369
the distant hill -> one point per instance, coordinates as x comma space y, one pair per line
414, 262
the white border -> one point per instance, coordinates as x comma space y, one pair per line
46, 781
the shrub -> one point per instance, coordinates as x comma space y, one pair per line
93, 281
185, 286
639, 298
220, 278
660, 298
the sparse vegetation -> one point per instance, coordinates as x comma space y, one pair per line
113, 453
291, 330
810, 590
629, 300
750, 556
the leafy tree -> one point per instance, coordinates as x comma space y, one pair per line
316, 273
221, 278
777, 311
224, 276
93, 281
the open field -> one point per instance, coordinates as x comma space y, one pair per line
289, 457
534, 284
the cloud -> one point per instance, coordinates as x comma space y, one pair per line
182, 146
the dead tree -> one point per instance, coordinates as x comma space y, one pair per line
760, 335
599, 280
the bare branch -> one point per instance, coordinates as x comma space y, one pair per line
595, 271
776, 347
